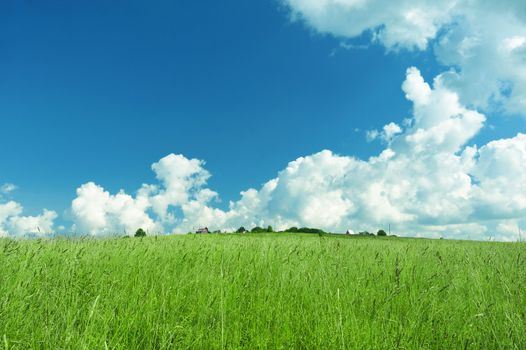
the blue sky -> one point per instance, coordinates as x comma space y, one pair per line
98, 91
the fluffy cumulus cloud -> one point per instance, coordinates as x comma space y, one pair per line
388, 132
181, 186
98, 212
12, 223
483, 42
426, 182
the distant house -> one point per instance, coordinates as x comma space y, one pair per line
202, 230
349, 232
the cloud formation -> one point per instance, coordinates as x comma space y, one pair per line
482, 42
181, 185
12, 223
425, 182
96, 211
428, 181
5, 189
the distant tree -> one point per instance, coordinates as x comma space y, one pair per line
381, 233
305, 230
140, 233
257, 229
310, 230
269, 229
241, 230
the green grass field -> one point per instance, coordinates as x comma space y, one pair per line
262, 291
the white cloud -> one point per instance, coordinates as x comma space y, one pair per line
387, 134
98, 212
482, 41
409, 24
182, 178
509, 230
371, 135
500, 171
6, 189
513, 43
391, 130
8, 210
40, 225
439, 119
12, 223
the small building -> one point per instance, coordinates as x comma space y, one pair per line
349, 232
202, 230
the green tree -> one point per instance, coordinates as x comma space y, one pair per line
241, 230
381, 233
140, 233
269, 229
310, 230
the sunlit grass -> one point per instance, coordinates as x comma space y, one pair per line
262, 291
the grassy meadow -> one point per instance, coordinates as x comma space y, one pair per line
262, 291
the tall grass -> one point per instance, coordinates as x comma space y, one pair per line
263, 291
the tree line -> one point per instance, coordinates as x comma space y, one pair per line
141, 233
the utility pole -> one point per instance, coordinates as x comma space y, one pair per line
389, 229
